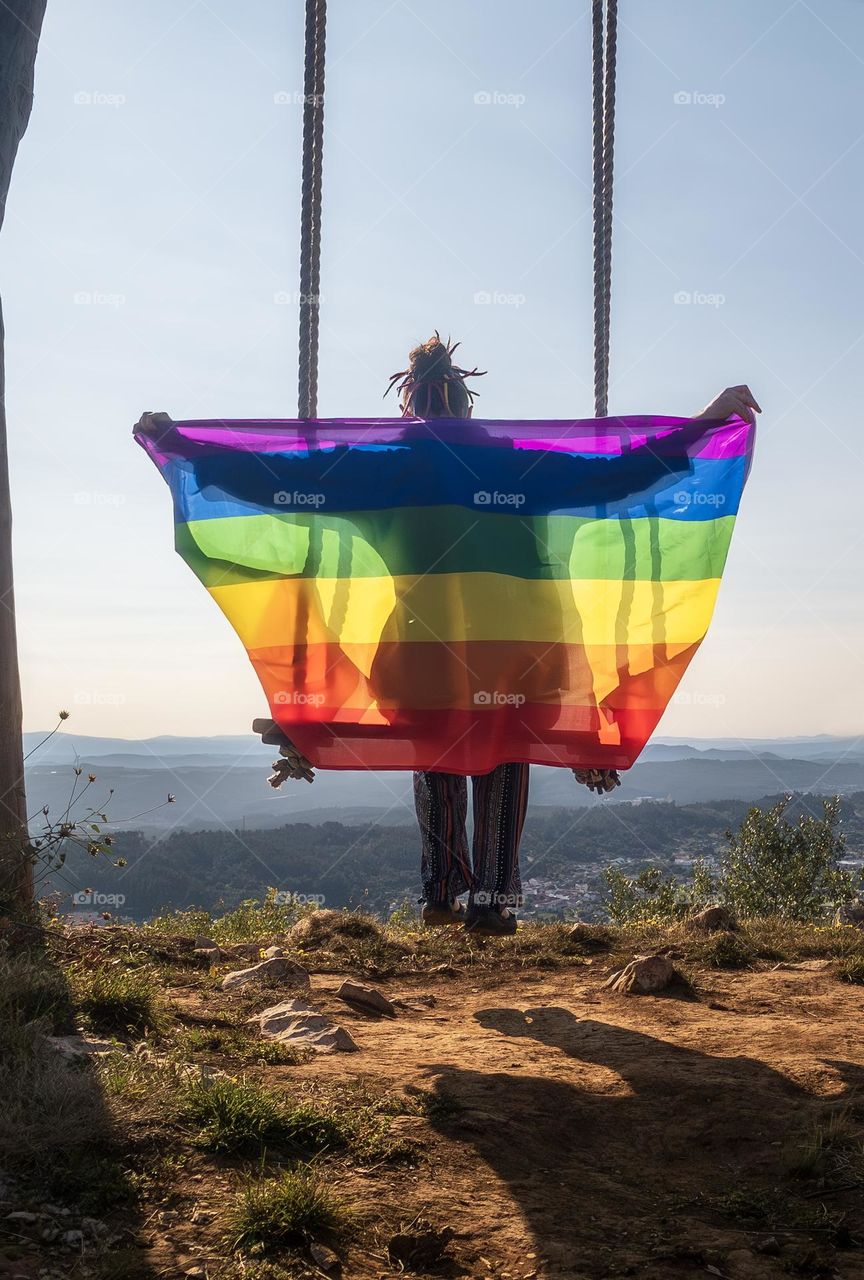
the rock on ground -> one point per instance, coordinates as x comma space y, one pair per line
642, 975
324, 1258
80, 1046
711, 920
293, 1022
366, 998
277, 969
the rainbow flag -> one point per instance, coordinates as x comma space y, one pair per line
450, 595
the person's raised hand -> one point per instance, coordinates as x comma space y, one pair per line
600, 781
291, 764
152, 424
738, 400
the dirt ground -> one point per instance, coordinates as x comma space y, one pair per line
573, 1132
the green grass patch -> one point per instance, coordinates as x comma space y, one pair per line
289, 1210
235, 1117
242, 1116
115, 1000
725, 950
243, 1048
832, 1147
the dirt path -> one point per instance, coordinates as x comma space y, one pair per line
575, 1133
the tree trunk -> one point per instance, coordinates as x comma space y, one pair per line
20, 24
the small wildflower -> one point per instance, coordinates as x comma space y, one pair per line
91, 777
64, 715
171, 799
78, 771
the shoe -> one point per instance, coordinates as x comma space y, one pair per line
490, 921
437, 915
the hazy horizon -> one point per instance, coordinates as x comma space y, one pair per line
151, 241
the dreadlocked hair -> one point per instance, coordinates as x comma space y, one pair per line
433, 386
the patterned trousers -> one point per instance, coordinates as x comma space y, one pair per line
500, 802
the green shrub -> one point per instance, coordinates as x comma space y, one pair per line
652, 896
773, 867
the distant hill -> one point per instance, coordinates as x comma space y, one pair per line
222, 781
375, 864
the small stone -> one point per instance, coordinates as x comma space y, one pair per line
770, 1245
74, 1239
366, 998
23, 1216
203, 943
324, 1258
643, 975
195, 1270
275, 970
273, 953
711, 920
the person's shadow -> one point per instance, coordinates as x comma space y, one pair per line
627, 1144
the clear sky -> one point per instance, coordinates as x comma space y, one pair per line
151, 236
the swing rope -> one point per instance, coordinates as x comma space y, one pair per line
604, 19
603, 42
310, 209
